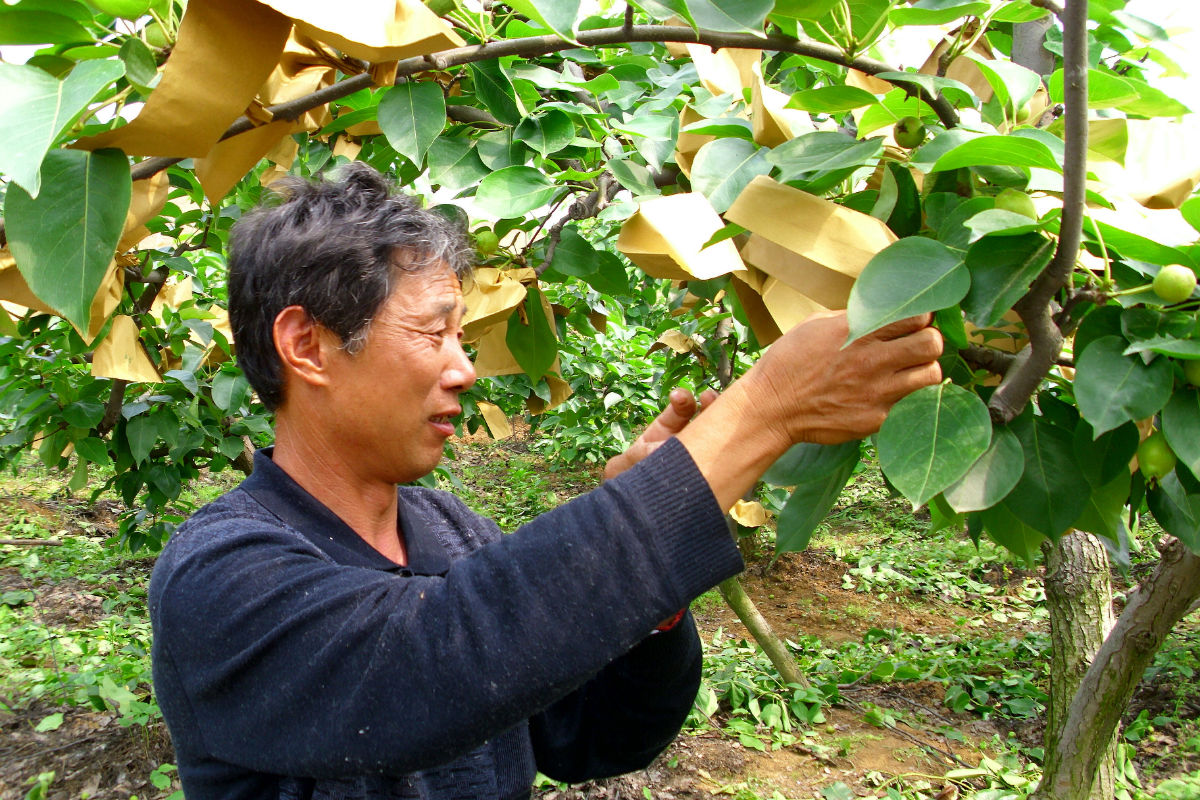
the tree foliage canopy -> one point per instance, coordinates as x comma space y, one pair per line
696, 176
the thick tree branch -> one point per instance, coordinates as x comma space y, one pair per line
1035, 308
583, 208
543, 45
1150, 613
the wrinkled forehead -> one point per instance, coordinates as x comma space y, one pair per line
435, 290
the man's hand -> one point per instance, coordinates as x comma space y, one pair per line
814, 390
808, 388
683, 406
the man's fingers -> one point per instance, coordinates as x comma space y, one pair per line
903, 327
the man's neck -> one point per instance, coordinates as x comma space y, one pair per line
369, 508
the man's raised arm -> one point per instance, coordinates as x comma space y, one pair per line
807, 387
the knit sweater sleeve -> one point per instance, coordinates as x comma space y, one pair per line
282, 662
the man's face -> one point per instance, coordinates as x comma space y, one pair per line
400, 392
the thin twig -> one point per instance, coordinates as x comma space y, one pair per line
32, 542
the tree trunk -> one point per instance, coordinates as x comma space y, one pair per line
1079, 599
775, 648
1103, 695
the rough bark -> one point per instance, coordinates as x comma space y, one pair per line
1079, 599
1104, 691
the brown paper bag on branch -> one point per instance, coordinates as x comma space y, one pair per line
372, 30
497, 423
490, 297
146, 201
814, 246
120, 355
666, 238
724, 71
224, 52
774, 123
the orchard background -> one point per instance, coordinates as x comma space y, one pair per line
655, 190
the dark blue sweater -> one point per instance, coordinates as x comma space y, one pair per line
293, 660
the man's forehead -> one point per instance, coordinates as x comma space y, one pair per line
435, 291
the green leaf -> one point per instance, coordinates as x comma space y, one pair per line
51, 449
546, 133
533, 345
93, 449
83, 413
663, 10
229, 390
633, 176
1103, 514
1175, 503
610, 277
899, 201
35, 109
1181, 426
1105, 457
802, 9
1052, 491
64, 240
1105, 89
51, 722
823, 151
140, 65
1011, 151
819, 473
724, 167
991, 477
831, 99
18, 26
1012, 84
1009, 532
731, 16
1133, 246
142, 433
560, 16
936, 12
1191, 212
997, 222
1112, 388
1002, 268
955, 91
910, 276
514, 191
722, 126
411, 115
931, 438
454, 164
494, 88
231, 447
574, 254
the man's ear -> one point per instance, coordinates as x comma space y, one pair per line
304, 346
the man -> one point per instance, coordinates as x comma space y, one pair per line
321, 633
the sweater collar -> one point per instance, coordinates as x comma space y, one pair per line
288, 500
